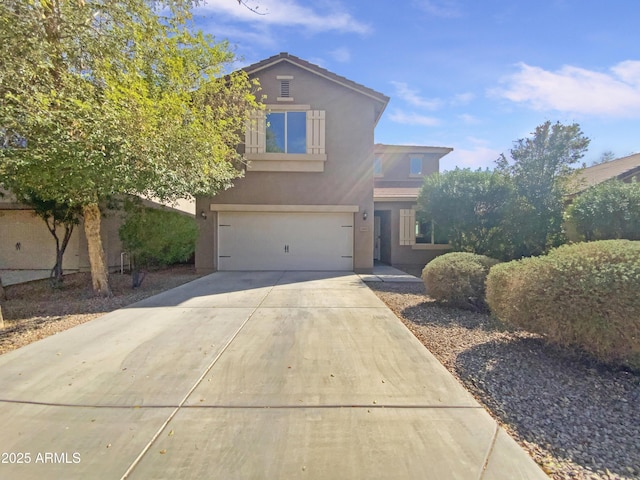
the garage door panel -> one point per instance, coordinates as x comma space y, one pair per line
285, 241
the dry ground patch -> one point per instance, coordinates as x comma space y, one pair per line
34, 310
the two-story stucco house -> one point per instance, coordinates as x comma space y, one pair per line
400, 239
306, 201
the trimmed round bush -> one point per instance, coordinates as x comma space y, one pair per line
585, 295
458, 278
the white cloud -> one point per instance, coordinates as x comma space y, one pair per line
468, 119
462, 99
440, 8
412, 96
576, 90
341, 54
628, 71
287, 13
410, 118
476, 153
258, 36
478, 156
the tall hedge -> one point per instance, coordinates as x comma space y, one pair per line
158, 237
607, 211
458, 278
584, 295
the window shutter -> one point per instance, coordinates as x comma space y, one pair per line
407, 227
315, 131
255, 133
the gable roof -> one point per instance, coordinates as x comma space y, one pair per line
620, 168
382, 99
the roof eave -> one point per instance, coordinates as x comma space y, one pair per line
322, 72
395, 199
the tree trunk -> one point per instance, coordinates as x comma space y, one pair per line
99, 274
3, 297
57, 274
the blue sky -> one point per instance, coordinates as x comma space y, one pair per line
468, 74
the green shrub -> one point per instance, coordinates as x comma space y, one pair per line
585, 295
607, 211
158, 237
458, 278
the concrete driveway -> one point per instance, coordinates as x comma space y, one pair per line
246, 375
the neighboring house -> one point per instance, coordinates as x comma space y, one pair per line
306, 201
625, 169
399, 171
27, 244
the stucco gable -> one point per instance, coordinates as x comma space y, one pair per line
380, 99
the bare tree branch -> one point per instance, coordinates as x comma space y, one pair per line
252, 9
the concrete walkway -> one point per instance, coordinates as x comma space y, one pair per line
264, 375
387, 273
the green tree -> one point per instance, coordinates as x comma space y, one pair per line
100, 98
605, 157
469, 207
539, 169
608, 211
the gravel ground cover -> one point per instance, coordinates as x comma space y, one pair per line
577, 418
34, 310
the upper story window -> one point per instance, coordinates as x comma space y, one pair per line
377, 167
286, 132
415, 166
286, 139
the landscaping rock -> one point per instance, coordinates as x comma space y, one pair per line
576, 417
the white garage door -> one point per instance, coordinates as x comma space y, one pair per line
285, 241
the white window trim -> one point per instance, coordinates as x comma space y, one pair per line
261, 160
421, 174
379, 174
408, 233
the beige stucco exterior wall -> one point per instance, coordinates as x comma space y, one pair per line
37, 247
404, 256
348, 172
396, 166
27, 244
18, 224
